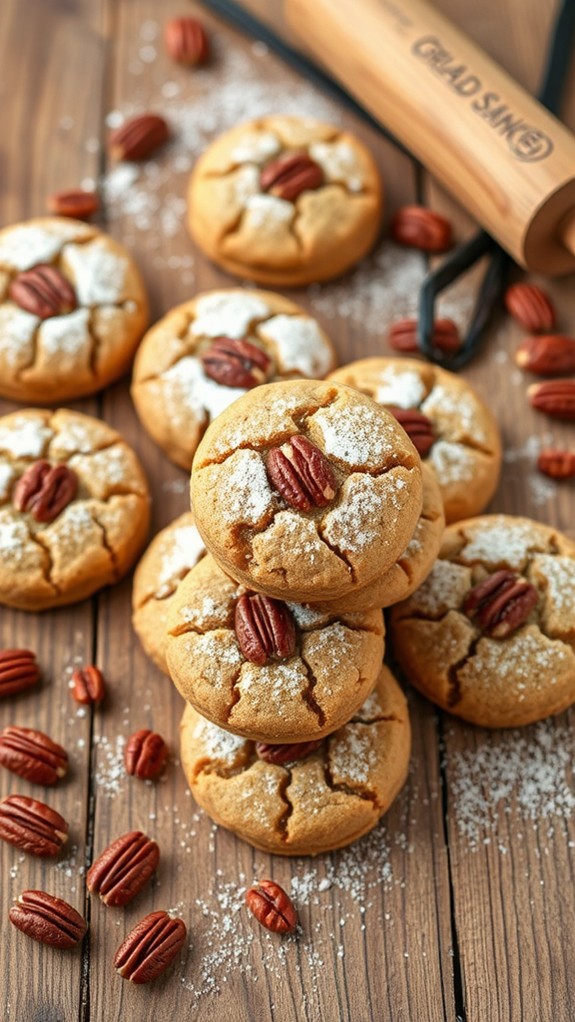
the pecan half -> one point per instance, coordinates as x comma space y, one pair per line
301, 473
145, 754
186, 41
235, 363
272, 907
87, 685
403, 336
264, 628
286, 753
18, 671
45, 490
419, 227
31, 825
531, 307
75, 203
557, 464
547, 354
150, 947
32, 754
290, 175
43, 291
554, 397
47, 919
123, 868
417, 426
501, 603
138, 137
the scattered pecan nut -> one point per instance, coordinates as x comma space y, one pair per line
301, 473
186, 41
18, 671
43, 291
531, 307
235, 363
419, 227
75, 203
417, 426
403, 336
145, 754
547, 354
557, 464
48, 920
290, 175
554, 397
138, 137
150, 947
32, 754
123, 868
501, 603
32, 825
281, 754
45, 490
87, 685
272, 907
264, 628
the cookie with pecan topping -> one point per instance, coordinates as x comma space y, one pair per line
324, 797
271, 670
285, 201
72, 310
490, 635
306, 490
74, 507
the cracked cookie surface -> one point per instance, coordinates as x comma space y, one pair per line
466, 453
261, 236
327, 800
170, 556
295, 698
495, 682
95, 538
174, 396
44, 361
326, 552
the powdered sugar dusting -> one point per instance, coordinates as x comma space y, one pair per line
26, 245
219, 744
189, 385
502, 542
65, 337
17, 329
401, 387
452, 462
355, 434
7, 475
352, 754
182, 549
98, 273
255, 147
339, 162
227, 314
111, 772
24, 436
444, 589
264, 211
299, 344
245, 493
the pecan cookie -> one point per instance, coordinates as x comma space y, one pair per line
303, 801
72, 310
285, 201
269, 670
414, 564
305, 490
168, 559
490, 635
74, 507
451, 426
209, 351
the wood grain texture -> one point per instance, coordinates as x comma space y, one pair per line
412, 924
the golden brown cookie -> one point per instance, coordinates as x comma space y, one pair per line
74, 507
490, 635
414, 564
466, 449
207, 352
326, 800
72, 310
306, 490
168, 559
285, 201
266, 669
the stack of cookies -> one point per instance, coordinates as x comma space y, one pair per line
311, 512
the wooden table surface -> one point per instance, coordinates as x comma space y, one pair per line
460, 906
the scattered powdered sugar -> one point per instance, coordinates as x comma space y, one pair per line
190, 386
502, 542
339, 162
282, 683
452, 462
110, 769
356, 522
24, 436
355, 434
443, 589
26, 245
524, 774
182, 548
219, 744
14, 538
98, 273
62, 336
17, 329
457, 412
267, 210
255, 147
299, 343
245, 494
559, 575
227, 314
307, 617
352, 754
521, 464
7, 474
401, 387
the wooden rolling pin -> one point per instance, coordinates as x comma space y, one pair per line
498, 151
